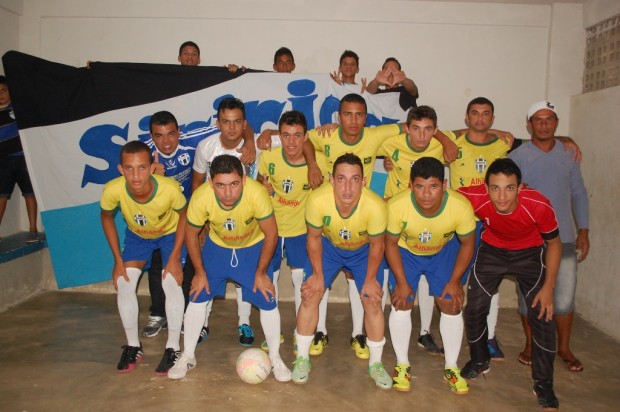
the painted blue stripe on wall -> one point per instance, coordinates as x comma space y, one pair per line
79, 251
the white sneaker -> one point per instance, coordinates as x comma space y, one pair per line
280, 371
181, 366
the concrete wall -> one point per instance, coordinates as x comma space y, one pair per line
22, 278
595, 124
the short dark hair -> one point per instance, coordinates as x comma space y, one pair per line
504, 166
293, 118
283, 51
225, 164
189, 43
391, 59
231, 103
480, 100
3, 80
349, 159
427, 167
161, 119
135, 146
352, 98
422, 112
350, 53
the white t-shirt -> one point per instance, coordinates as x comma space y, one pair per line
211, 147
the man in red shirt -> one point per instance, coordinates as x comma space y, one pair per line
518, 222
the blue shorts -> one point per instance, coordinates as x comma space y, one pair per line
437, 268
294, 249
238, 265
137, 248
353, 261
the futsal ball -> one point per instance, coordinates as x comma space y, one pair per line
253, 366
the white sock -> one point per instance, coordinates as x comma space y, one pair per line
357, 310
376, 350
298, 278
270, 321
400, 332
127, 302
303, 345
194, 319
492, 316
175, 303
209, 307
451, 328
322, 323
244, 309
276, 276
426, 303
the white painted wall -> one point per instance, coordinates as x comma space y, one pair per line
15, 217
595, 124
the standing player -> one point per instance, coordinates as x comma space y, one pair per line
392, 79
240, 246
13, 167
284, 172
430, 232
154, 209
172, 160
517, 224
348, 67
189, 55
346, 229
547, 167
233, 126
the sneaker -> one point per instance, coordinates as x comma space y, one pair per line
32, 237
428, 342
182, 365
494, 350
167, 362
473, 369
156, 323
280, 371
319, 343
129, 358
246, 335
204, 334
401, 378
456, 381
380, 376
301, 370
546, 397
358, 344
265, 347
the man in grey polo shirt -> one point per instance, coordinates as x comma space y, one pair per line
548, 168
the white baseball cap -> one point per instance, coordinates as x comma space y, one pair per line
540, 106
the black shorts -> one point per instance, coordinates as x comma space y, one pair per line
13, 170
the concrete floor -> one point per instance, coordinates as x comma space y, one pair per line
59, 352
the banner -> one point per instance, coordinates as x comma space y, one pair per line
74, 121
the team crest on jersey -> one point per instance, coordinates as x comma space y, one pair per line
140, 219
345, 233
481, 164
183, 159
230, 224
287, 185
425, 236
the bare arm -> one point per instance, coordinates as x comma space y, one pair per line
315, 177
111, 235
173, 266
450, 149
262, 282
402, 295
200, 281
372, 289
248, 150
197, 180
315, 284
463, 258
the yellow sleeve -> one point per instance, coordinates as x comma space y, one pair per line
197, 213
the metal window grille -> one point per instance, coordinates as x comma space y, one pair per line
602, 65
